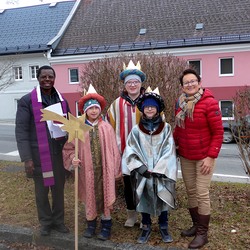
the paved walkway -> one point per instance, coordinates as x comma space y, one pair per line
65, 241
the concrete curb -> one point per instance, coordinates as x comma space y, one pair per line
60, 241
7, 122
15, 234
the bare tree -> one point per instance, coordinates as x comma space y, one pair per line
241, 127
6, 76
162, 71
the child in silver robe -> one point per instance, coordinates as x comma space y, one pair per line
150, 160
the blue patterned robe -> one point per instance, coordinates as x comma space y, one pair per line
156, 150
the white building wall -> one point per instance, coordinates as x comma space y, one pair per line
10, 95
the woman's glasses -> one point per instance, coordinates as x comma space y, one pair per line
191, 83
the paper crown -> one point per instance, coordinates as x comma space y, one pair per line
149, 93
132, 69
91, 94
149, 90
132, 66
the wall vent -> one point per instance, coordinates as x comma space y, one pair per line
53, 4
199, 26
143, 31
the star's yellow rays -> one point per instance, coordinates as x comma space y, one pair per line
75, 127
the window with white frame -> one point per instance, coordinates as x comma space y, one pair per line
33, 71
196, 65
18, 73
73, 75
227, 109
226, 66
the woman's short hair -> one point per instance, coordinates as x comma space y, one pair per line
189, 71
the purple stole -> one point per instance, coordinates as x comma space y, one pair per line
42, 138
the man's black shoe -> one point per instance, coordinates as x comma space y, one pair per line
45, 230
61, 228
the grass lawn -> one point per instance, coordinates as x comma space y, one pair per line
230, 211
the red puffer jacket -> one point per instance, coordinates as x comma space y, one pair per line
202, 137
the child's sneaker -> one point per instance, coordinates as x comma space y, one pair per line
146, 230
166, 237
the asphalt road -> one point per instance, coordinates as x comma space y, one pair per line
228, 167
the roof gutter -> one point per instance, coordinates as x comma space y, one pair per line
155, 45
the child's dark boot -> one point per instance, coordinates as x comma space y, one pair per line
90, 230
105, 233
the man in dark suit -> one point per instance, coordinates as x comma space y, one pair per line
41, 152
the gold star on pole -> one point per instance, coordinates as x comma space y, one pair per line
75, 127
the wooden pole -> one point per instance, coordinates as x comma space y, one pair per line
76, 191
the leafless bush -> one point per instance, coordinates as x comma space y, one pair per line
241, 131
162, 71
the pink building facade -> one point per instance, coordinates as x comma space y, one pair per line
70, 90
222, 72
223, 85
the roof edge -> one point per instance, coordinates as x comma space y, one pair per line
24, 49
54, 41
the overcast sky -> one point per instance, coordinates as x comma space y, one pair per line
22, 3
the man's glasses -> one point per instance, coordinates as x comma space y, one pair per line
191, 83
130, 83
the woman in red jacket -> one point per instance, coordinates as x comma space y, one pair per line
198, 136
